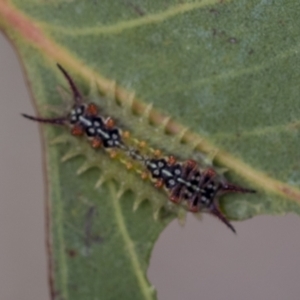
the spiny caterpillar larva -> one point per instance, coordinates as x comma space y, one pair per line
186, 182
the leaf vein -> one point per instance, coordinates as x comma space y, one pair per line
235, 73
129, 244
134, 23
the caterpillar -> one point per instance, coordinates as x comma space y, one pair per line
185, 182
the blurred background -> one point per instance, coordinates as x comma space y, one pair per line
203, 260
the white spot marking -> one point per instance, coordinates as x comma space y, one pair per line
103, 133
92, 130
166, 172
177, 172
172, 182
160, 164
85, 121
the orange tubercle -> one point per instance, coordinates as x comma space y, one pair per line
171, 160
193, 208
110, 123
113, 154
92, 109
191, 163
77, 130
142, 144
129, 165
159, 183
157, 153
96, 143
174, 199
144, 175
210, 172
126, 134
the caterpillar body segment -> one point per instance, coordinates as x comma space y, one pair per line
195, 186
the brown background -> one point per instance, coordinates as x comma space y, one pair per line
203, 260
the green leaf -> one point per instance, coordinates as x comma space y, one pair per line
221, 75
